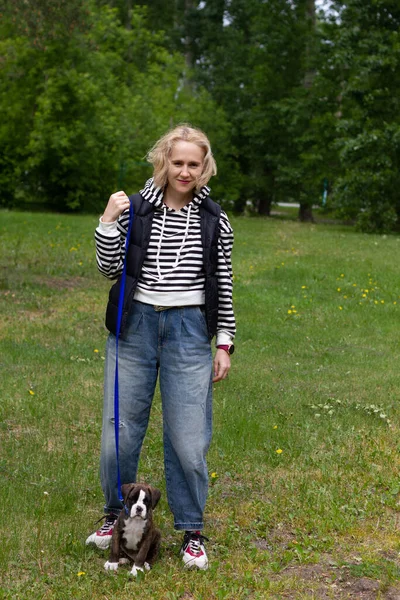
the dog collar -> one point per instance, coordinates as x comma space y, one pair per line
126, 510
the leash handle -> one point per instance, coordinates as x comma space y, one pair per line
119, 321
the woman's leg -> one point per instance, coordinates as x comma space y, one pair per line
186, 391
137, 367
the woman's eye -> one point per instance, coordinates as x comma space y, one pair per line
190, 165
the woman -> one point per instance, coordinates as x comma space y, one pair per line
178, 296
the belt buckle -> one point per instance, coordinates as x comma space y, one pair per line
159, 308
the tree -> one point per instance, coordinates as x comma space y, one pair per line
95, 101
251, 56
364, 61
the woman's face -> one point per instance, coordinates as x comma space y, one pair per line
185, 167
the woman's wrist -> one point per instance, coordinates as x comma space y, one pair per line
228, 348
107, 220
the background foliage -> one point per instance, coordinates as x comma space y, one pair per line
295, 100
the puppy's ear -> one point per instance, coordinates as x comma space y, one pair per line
126, 488
155, 496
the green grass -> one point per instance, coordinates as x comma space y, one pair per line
315, 376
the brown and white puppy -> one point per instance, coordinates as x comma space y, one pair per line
134, 537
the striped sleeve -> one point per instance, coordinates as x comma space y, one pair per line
110, 246
226, 320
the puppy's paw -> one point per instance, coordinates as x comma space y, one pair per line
147, 566
135, 571
111, 566
123, 561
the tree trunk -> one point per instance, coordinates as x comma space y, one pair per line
310, 72
306, 213
305, 210
128, 14
189, 4
264, 206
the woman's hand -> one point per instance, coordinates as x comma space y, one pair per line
222, 364
117, 203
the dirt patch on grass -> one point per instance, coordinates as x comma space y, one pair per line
325, 581
328, 578
62, 283
278, 538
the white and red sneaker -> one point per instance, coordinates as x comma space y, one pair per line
193, 550
102, 537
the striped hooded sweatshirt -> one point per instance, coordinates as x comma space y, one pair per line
172, 270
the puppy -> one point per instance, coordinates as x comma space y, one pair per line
134, 537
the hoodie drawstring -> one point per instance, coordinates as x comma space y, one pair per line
185, 236
178, 254
160, 241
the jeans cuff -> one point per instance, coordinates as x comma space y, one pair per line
112, 511
188, 526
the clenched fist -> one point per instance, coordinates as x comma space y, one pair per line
117, 203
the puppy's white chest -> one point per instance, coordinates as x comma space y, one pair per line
133, 532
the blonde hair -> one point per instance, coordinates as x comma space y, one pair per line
160, 153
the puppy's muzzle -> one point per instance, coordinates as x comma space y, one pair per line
138, 511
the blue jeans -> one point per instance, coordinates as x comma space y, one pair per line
174, 344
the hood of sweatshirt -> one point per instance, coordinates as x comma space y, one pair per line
154, 195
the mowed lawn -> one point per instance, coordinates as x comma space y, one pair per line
304, 467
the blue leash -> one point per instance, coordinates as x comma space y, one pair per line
119, 320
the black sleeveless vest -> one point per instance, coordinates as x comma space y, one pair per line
139, 241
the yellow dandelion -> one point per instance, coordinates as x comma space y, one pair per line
214, 475
345, 297
340, 307
395, 302
279, 451
376, 302
364, 295
289, 312
339, 290
382, 302
73, 249
275, 427
95, 350
303, 287
80, 573
342, 275
32, 393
